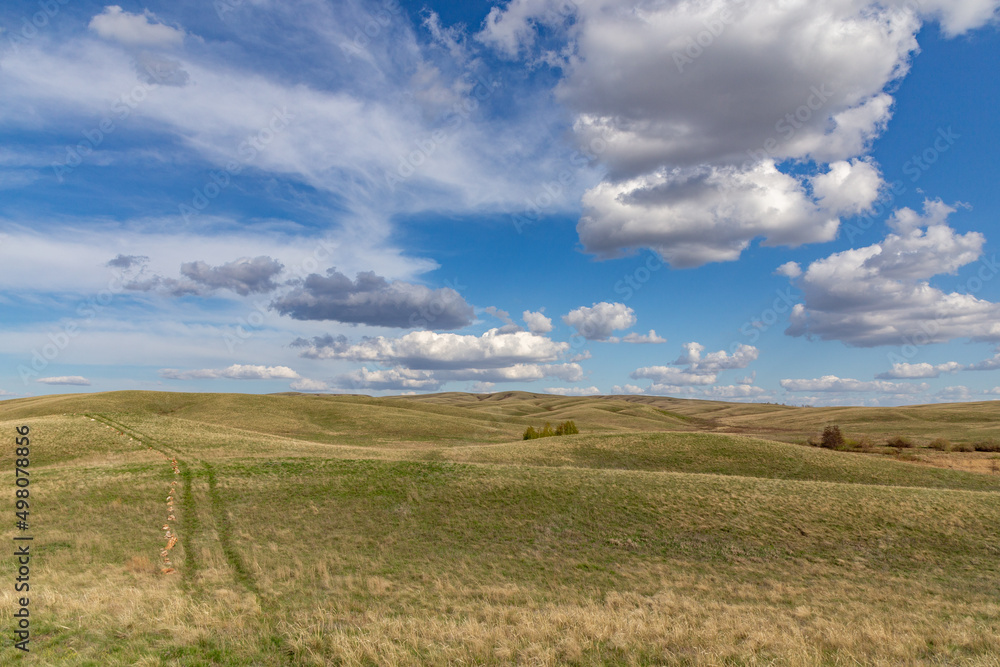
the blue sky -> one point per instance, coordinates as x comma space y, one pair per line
744, 200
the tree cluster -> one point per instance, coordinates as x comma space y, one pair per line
565, 428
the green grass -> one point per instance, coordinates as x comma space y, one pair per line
713, 453
320, 530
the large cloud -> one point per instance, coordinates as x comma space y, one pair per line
710, 214
400, 379
424, 360
405, 379
691, 104
881, 294
426, 350
371, 299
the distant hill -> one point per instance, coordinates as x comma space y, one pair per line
231, 529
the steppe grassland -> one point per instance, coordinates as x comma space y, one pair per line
320, 530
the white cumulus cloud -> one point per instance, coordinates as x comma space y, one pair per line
144, 29
234, 372
537, 322
430, 350
599, 321
66, 379
881, 294
832, 383
690, 105
639, 339
573, 391
308, 385
904, 370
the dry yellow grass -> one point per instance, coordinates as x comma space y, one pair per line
319, 530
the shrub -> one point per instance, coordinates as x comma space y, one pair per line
963, 447
565, 428
865, 443
832, 438
899, 442
940, 444
987, 446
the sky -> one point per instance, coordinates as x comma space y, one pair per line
747, 200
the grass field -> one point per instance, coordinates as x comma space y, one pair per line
348, 530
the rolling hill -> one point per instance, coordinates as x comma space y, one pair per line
228, 529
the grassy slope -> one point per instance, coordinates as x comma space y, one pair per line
718, 454
421, 530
